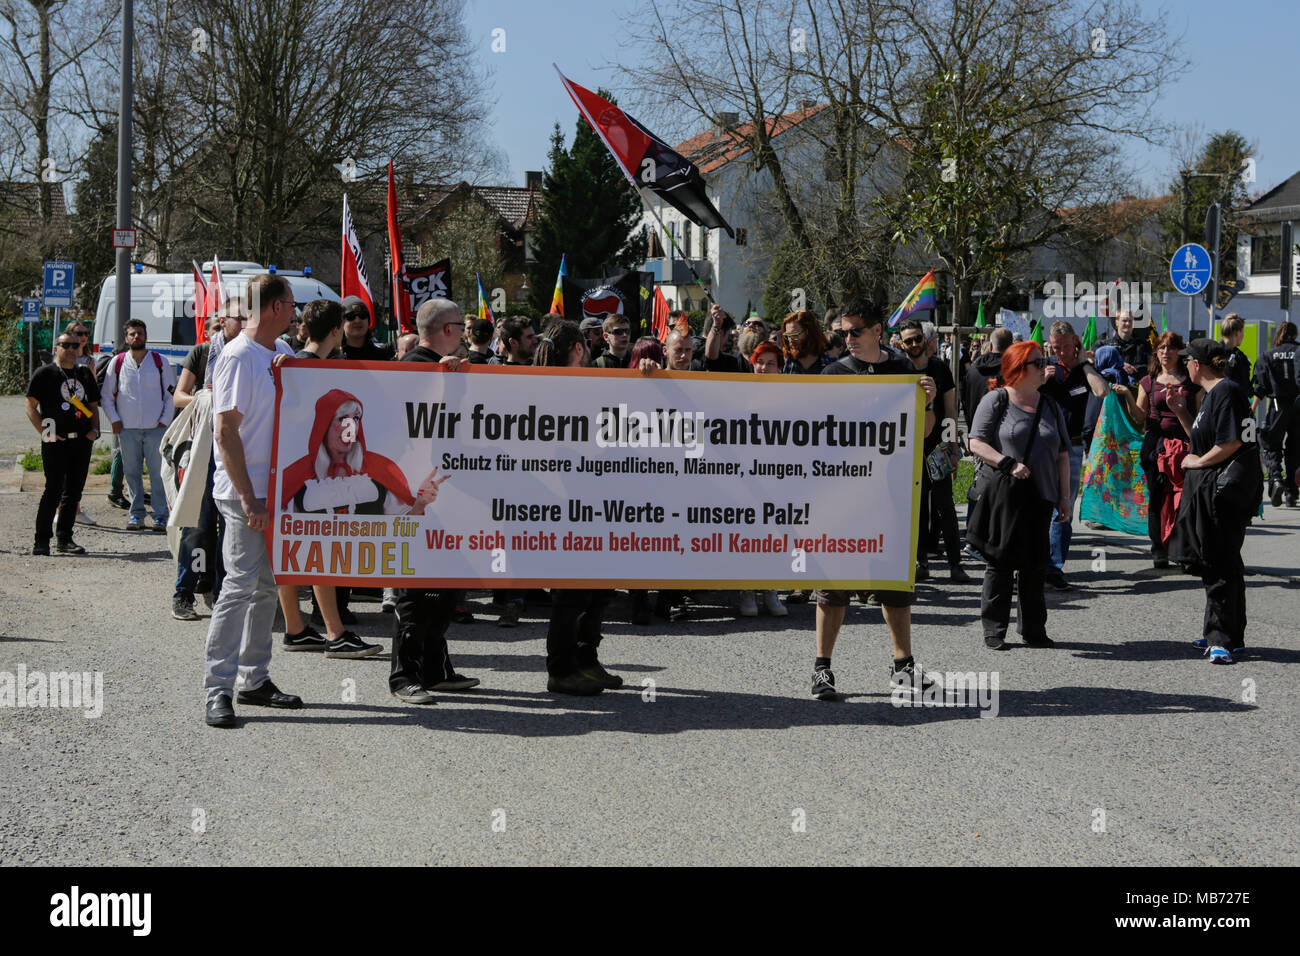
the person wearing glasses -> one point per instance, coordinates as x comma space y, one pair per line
863, 325
81, 334
358, 343
617, 332
938, 514
1000, 438
243, 405
803, 345
1223, 486
63, 407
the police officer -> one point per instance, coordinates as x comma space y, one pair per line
1222, 487
1276, 382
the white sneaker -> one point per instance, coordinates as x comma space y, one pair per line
748, 607
773, 604
83, 518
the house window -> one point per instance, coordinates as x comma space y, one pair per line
1265, 255
704, 243
742, 236
686, 240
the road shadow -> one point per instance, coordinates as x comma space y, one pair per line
675, 710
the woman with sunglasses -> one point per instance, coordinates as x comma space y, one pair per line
1000, 438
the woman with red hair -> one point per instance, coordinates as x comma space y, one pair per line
766, 359
1021, 433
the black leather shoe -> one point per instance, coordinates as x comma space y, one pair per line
268, 695
68, 546
596, 671
996, 644
41, 549
220, 712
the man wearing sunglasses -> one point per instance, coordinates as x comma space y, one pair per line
937, 511
617, 332
63, 407
863, 328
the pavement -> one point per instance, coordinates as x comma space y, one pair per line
1121, 746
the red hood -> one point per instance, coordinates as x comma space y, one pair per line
381, 469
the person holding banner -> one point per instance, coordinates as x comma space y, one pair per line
573, 637
358, 343
421, 660
243, 403
863, 325
617, 332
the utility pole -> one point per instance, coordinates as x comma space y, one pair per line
123, 284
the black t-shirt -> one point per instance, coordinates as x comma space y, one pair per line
421, 353
303, 353
368, 351
891, 363
1070, 390
479, 358
1224, 410
196, 363
1136, 351
723, 363
938, 370
53, 388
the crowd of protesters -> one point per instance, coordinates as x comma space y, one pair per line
1030, 415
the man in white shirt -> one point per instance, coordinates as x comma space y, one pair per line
243, 406
137, 397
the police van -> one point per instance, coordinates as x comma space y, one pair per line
164, 301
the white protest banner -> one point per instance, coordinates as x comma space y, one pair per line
405, 475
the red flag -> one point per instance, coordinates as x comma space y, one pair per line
401, 301
659, 321
354, 280
200, 305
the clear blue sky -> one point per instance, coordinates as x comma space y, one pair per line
1245, 74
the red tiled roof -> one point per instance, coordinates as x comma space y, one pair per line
711, 149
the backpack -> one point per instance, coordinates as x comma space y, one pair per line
117, 372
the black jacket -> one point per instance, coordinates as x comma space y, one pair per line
983, 376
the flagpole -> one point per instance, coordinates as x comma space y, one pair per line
665, 231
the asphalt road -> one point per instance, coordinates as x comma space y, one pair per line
1121, 746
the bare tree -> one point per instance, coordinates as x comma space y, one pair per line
970, 122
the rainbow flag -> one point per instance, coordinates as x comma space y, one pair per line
557, 298
484, 310
923, 297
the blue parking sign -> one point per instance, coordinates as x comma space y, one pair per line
58, 284
31, 310
1189, 269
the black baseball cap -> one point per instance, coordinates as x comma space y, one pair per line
1204, 350
591, 322
355, 305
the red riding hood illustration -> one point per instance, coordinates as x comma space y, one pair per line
339, 475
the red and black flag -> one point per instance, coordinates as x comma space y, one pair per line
629, 294
646, 160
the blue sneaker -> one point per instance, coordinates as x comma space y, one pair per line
1201, 644
1220, 655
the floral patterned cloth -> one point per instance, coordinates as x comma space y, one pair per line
1113, 486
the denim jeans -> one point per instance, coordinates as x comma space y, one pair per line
1061, 532
239, 634
140, 446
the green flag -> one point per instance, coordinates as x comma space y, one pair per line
979, 316
1164, 321
1090, 333
1036, 334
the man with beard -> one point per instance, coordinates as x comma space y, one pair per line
518, 341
